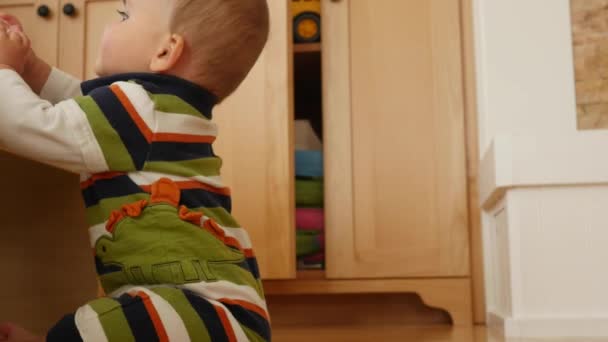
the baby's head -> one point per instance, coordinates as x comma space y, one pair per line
213, 43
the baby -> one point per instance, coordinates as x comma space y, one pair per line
174, 263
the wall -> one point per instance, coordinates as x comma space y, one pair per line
543, 183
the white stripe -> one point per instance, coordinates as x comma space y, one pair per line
184, 124
236, 327
141, 101
146, 178
173, 323
96, 232
225, 289
215, 290
89, 326
161, 122
239, 234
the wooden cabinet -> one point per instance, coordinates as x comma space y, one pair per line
45, 256
394, 112
395, 147
396, 186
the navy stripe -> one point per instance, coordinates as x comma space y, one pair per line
138, 318
197, 97
168, 151
209, 316
198, 198
109, 188
64, 331
123, 186
121, 121
251, 265
193, 94
251, 320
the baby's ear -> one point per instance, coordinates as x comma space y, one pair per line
168, 54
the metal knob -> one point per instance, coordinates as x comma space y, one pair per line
69, 10
44, 11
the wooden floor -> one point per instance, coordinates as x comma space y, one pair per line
396, 333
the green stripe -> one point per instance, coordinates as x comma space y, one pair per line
261, 286
173, 104
116, 154
235, 274
100, 213
252, 335
219, 215
176, 298
190, 168
113, 320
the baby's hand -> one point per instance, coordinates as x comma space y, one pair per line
14, 47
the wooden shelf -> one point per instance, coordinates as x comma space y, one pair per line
450, 294
306, 48
311, 275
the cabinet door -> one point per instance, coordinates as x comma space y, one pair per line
45, 257
41, 30
81, 34
394, 139
256, 144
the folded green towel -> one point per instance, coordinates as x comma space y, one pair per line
308, 242
309, 193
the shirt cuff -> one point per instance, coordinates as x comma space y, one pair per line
60, 86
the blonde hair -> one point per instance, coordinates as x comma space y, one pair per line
225, 39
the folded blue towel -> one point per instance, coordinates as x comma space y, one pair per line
309, 164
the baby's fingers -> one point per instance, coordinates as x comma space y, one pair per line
20, 38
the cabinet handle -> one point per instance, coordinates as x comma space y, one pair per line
44, 11
69, 10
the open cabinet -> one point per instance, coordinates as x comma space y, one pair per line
392, 79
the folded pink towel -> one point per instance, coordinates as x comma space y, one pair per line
310, 218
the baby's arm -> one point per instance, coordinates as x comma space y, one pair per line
32, 127
36, 129
51, 83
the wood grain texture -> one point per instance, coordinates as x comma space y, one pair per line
472, 143
353, 309
81, 35
395, 143
45, 258
256, 143
451, 295
590, 39
382, 332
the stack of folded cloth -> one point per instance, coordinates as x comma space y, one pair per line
310, 221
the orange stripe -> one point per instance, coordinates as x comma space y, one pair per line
99, 176
145, 130
158, 324
212, 227
183, 138
184, 185
249, 306
249, 253
226, 323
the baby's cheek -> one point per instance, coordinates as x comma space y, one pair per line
107, 51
